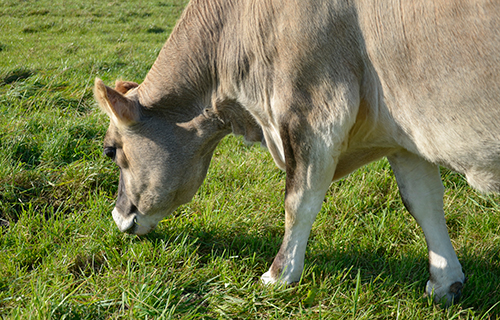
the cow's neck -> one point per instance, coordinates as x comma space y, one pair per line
184, 73
186, 77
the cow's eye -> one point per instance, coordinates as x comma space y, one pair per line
110, 152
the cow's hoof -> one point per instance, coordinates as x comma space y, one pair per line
447, 297
267, 278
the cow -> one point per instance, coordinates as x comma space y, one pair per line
327, 86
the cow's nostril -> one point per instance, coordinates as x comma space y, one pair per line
132, 227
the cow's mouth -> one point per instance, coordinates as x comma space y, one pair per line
125, 224
132, 223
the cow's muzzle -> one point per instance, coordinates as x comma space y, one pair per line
125, 224
133, 223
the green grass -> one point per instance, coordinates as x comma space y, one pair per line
62, 257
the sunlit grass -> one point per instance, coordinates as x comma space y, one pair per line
62, 257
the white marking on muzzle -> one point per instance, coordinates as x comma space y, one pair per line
123, 224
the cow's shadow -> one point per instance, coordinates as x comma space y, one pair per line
481, 292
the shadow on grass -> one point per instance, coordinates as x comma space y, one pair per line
17, 74
481, 293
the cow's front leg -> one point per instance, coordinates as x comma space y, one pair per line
310, 170
301, 209
422, 192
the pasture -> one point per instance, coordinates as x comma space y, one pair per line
62, 257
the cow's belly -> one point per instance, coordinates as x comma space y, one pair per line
354, 159
465, 139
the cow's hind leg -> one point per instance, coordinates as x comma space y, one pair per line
422, 192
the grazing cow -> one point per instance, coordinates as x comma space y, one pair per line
327, 86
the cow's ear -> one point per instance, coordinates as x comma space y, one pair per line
124, 86
120, 109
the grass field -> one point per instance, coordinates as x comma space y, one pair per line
62, 257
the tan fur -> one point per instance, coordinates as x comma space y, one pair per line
124, 86
328, 86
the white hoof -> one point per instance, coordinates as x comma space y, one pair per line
266, 278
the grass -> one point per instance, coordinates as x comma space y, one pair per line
62, 257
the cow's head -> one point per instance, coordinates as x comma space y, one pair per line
163, 156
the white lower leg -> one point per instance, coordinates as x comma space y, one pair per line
422, 191
289, 262
444, 268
